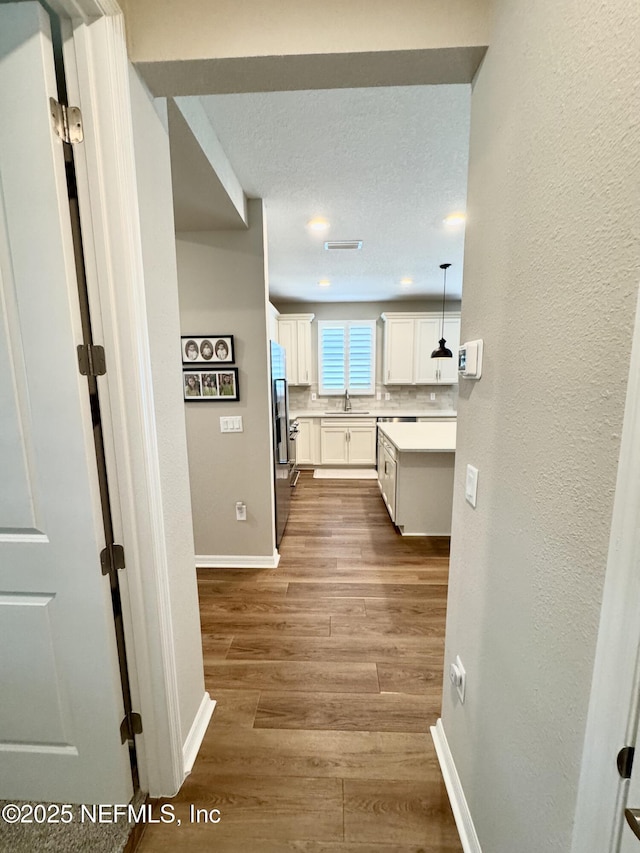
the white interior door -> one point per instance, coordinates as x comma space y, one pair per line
61, 702
629, 797
629, 841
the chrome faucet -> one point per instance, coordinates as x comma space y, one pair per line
347, 401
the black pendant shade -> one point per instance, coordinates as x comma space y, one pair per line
443, 351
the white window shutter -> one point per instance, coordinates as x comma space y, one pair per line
346, 357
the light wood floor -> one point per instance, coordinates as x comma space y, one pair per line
328, 673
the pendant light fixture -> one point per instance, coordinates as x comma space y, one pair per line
442, 351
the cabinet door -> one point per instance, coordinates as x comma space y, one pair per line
389, 492
303, 334
288, 338
362, 445
382, 471
427, 337
304, 452
272, 320
333, 446
448, 367
380, 465
398, 351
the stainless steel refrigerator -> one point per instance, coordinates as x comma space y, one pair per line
284, 460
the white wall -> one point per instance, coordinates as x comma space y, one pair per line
153, 173
222, 290
551, 272
193, 29
197, 47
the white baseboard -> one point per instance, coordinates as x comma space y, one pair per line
196, 733
426, 533
459, 807
207, 561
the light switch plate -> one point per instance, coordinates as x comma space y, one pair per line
233, 424
471, 485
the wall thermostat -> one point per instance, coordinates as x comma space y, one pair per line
470, 359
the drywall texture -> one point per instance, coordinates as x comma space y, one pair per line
197, 47
222, 290
550, 279
151, 143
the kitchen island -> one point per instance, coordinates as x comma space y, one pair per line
415, 475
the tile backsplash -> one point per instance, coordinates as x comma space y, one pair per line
403, 397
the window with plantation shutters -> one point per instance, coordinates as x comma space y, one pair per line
346, 356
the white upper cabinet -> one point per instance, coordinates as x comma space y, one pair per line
294, 334
409, 340
427, 335
448, 367
272, 322
399, 348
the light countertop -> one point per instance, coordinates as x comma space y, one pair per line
373, 413
421, 437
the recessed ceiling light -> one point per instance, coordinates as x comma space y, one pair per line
318, 224
455, 219
324, 283
406, 281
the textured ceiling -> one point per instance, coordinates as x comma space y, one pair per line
382, 165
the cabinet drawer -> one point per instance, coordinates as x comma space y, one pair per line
388, 447
347, 422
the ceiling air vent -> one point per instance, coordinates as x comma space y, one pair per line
343, 244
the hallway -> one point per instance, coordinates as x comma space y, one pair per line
327, 673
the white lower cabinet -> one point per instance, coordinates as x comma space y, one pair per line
387, 474
334, 448
304, 454
345, 442
362, 445
308, 442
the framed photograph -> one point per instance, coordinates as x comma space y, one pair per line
214, 386
210, 349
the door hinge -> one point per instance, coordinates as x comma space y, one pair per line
112, 559
91, 360
67, 122
130, 726
625, 761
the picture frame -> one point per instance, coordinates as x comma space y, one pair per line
217, 385
207, 349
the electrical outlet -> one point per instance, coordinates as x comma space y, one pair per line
387, 395
241, 511
314, 397
433, 395
458, 677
